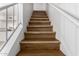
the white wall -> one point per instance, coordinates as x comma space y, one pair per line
64, 18
39, 6
27, 13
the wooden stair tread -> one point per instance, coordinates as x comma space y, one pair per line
39, 18
40, 21
40, 32
39, 11
39, 15
55, 41
43, 14
39, 39
43, 23
44, 52
39, 29
39, 26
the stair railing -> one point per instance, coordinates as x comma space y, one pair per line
9, 22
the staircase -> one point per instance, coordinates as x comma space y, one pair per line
40, 39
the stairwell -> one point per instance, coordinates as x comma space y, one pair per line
40, 39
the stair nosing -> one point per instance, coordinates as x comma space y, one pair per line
39, 18
40, 41
39, 26
40, 21
36, 32
40, 32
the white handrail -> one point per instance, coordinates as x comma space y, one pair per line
71, 18
4, 7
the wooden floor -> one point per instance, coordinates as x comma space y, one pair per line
40, 40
